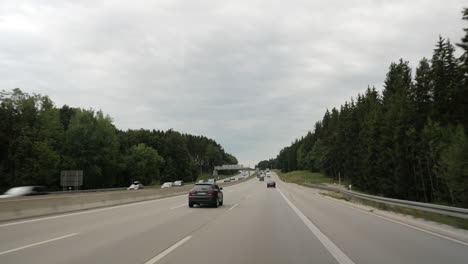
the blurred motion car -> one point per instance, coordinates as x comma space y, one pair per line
227, 180
205, 193
167, 185
136, 185
211, 181
261, 178
271, 184
24, 191
178, 183
200, 181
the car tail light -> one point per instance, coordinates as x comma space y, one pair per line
213, 192
192, 192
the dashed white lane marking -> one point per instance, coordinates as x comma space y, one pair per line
234, 206
167, 251
178, 206
36, 244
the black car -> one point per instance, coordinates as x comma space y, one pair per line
261, 178
271, 184
205, 193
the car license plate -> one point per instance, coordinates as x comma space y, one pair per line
201, 193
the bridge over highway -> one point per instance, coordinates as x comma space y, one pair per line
230, 167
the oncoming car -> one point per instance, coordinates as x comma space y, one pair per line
205, 193
24, 191
136, 185
167, 185
271, 184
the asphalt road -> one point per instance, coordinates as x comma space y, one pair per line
288, 224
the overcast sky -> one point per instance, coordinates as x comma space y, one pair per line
253, 75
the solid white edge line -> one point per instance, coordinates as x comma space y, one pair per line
340, 257
36, 244
167, 251
87, 211
398, 222
178, 206
232, 207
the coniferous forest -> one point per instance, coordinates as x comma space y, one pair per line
408, 141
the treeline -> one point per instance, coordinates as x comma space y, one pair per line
408, 142
38, 141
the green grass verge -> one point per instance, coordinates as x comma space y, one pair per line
301, 177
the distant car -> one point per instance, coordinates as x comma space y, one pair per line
136, 185
268, 174
233, 178
167, 185
178, 183
211, 181
24, 191
227, 180
271, 184
205, 193
200, 181
261, 178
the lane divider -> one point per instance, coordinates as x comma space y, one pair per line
234, 206
89, 211
178, 206
168, 250
36, 244
339, 255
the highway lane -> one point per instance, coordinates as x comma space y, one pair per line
255, 225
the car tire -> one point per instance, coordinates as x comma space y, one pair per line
190, 205
217, 203
221, 203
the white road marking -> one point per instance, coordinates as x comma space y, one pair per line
88, 211
234, 206
178, 206
398, 222
36, 244
167, 251
329, 245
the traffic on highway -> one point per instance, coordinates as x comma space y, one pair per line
253, 224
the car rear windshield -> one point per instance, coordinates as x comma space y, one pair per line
202, 187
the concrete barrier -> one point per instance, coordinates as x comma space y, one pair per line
32, 206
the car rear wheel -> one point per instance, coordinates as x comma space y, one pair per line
221, 203
217, 203
190, 205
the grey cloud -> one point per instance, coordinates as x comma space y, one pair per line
254, 75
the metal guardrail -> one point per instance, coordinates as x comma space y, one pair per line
434, 208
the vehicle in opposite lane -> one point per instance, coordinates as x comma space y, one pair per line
178, 183
136, 185
24, 191
167, 185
